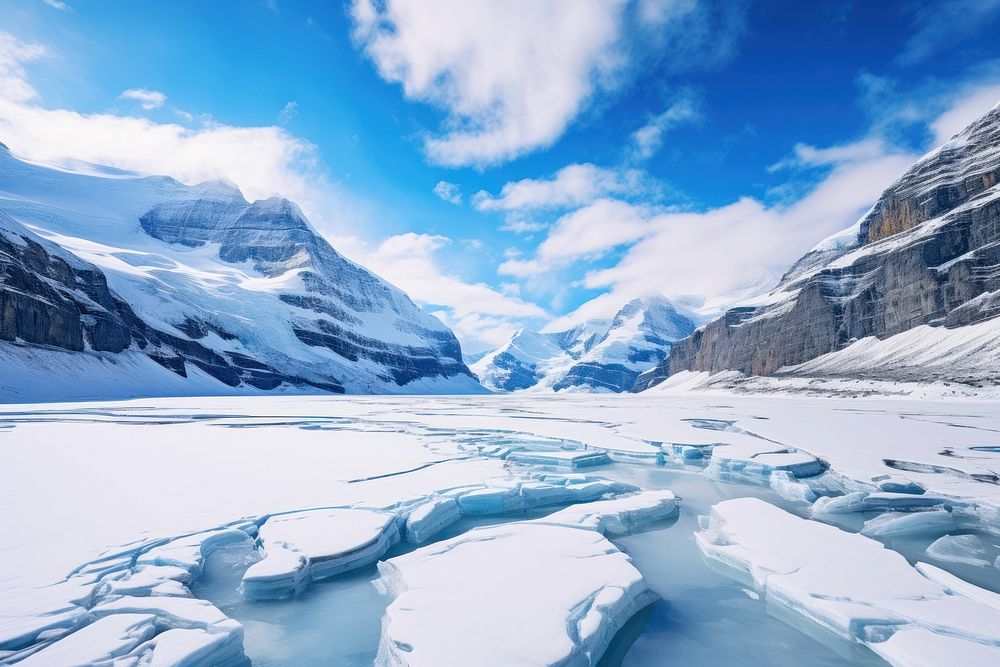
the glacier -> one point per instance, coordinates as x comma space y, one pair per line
196, 505
850, 585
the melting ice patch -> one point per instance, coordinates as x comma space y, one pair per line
852, 586
474, 599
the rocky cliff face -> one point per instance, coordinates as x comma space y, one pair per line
928, 253
197, 277
49, 297
595, 356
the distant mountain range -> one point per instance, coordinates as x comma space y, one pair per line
909, 293
597, 356
114, 285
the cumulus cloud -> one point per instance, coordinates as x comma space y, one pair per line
449, 192
587, 232
573, 185
969, 104
942, 107
804, 155
480, 315
510, 75
648, 139
148, 99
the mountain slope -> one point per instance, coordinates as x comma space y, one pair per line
927, 253
599, 355
199, 278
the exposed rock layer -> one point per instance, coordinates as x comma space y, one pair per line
928, 252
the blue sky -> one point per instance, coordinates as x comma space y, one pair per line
516, 164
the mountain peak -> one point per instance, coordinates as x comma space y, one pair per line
220, 189
596, 355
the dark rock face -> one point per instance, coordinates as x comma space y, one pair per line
612, 377
518, 375
403, 363
50, 297
927, 253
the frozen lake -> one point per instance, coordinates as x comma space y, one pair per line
141, 513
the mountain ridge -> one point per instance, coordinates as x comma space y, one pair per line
926, 254
197, 276
597, 355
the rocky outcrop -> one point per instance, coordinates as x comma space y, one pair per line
928, 252
49, 297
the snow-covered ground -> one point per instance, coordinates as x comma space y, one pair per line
112, 514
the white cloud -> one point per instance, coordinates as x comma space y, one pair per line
587, 232
263, 161
510, 75
944, 107
148, 99
941, 25
970, 104
522, 224
57, 4
14, 54
288, 112
481, 316
573, 185
804, 155
449, 192
708, 259
648, 139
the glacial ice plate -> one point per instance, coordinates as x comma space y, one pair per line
159, 486
474, 599
852, 585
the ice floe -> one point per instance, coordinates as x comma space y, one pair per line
850, 585
308, 546
430, 518
618, 516
474, 599
460, 601
902, 524
968, 549
929, 468
560, 459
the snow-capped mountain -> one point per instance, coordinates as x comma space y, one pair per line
599, 355
146, 280
910, 292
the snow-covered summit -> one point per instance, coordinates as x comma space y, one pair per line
598, 355
203, 281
